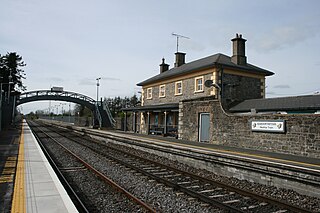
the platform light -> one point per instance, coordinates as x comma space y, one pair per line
209, 83
98, 84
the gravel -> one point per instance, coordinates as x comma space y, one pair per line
164, 199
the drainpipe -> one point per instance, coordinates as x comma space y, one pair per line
165, 123
222, 86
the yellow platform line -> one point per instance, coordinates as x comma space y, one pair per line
19, 195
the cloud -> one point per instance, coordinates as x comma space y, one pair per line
93, 81
110, 79
286, 36
55, 79
193, 45
87, 81
282, 86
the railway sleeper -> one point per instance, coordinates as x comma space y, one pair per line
192, 187
187, 182
231, 201
253, 206
172, 176
280, 211
162, 173
221, 195
158, 170
207, 190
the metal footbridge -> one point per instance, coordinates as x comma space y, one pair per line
102, 114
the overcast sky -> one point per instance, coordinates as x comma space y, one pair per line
69, 43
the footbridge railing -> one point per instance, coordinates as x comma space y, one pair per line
102, 113
57, 93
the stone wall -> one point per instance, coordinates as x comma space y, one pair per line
238, 88
189, 112
170, 97
235, 89
302, 135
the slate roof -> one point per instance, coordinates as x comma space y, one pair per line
295, 103
210, 61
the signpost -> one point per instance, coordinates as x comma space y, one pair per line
268, 126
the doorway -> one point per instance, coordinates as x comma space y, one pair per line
204, 127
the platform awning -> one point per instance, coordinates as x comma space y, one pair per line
153, 108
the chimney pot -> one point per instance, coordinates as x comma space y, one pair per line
163, 66
180, 59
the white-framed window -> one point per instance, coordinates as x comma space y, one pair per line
198, 84
162, 90
149, 93
178, 88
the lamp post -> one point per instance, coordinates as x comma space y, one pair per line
209, 83
98, 84
62, 111
10, 77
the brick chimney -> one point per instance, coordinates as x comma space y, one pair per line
180, 59
239, 49
163, 66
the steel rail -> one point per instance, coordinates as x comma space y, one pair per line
230, 188
234, 189
105, 178
177, 186
192, 193
259, 197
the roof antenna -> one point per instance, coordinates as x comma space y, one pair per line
179, 36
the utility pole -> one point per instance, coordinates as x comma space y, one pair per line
98, 84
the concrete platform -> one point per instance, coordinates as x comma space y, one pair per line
36, 186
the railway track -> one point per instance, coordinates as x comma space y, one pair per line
208, 191
83, 168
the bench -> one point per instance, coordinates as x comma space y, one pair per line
157, 131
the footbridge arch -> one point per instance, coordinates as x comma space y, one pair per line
101, 111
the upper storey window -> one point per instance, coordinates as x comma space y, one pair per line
162, 91
178, 88
198, 84
149, 93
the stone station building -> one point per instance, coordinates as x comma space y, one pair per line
177, 103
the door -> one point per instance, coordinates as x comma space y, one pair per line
204, 127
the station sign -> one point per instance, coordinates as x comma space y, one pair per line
268, 126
